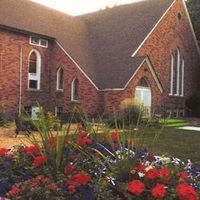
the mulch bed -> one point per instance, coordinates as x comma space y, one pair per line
8, 139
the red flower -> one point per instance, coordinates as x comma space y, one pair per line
114, 136
158, 191
14, 191
164, 173
39, 160
184, 176
136, 187
52, 186
34, 184
31, 150
83, 141
38, 178
69, 168
87, 140
81, 178
186, 192
83, 134
141, 167
152, 174
71, 187
96, 154
3, 152
73, 157
45, 180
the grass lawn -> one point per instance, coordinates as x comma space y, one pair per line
174, 122
183, 144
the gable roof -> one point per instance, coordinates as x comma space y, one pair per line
101, 43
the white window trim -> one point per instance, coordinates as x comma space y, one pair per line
39, 45
72, 91
178, 74
182, 77
172, 76
58, 80
56, 111
35, 76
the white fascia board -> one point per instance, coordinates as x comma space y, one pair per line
76, 64
118, 89
153, 73
191, 27
112, 89
153, 29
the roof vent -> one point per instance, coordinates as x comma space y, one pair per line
179, 16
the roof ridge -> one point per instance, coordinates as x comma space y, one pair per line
48, 8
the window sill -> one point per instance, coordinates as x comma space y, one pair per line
75, 101
59, 90
176, 96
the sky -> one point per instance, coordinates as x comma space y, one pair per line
77, 7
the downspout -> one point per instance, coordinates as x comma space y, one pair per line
20, 81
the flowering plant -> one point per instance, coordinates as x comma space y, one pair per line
135, 174
93, 166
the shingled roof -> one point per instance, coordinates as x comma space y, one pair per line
101, 43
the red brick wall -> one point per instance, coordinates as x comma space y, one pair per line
113, 99
169, 35
52, 58
10, 45
88, 95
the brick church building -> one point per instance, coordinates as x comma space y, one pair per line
146, 49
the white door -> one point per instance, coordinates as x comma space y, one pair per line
143, 94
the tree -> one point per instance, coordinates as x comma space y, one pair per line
194, 10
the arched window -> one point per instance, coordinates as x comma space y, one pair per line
75, 90
34, 70
60, 79
143, 83
177, 74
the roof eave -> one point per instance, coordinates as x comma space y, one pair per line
26, 32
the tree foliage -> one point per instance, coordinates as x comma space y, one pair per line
194, 10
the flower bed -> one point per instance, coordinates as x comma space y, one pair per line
119, 170
84, 166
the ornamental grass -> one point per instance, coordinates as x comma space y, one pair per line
86, 165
